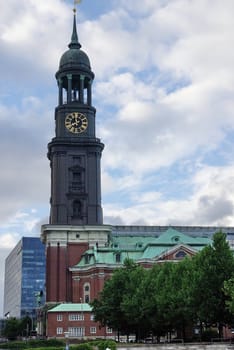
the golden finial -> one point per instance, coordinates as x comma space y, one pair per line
76, 2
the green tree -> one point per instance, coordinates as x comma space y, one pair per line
109, 308
155, 320
169, 302
171, 295
132, 302
26, 326
212, 267
174, 296
13, 328
229, 292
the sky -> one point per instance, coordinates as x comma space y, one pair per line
164, 94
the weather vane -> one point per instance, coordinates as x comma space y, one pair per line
76, 2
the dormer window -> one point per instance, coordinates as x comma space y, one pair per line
87, 258
175, 239
118, 257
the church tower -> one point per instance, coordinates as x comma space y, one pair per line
75, 152
76, 222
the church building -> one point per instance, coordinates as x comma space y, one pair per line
81, 251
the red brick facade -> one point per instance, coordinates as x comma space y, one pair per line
80, 325
59, 258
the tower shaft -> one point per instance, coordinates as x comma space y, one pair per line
75, 152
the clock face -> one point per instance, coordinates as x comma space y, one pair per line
76, 122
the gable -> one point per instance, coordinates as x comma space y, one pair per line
178, 252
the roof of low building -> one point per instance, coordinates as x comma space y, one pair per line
70, 307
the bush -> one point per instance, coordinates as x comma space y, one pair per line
13, 345
51, 343
55, 344
46, 343
83, 346
103, 344
47, 348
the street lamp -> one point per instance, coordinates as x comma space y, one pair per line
29, 317
67, 340
82, 319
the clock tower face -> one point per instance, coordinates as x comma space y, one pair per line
76, 122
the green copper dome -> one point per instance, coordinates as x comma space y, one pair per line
74, 57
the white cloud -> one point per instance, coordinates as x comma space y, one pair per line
151, 127
211, 202
24, 176
8, 240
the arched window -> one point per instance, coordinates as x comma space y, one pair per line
86, 292
180, 254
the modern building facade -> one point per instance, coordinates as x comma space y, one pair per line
24, 278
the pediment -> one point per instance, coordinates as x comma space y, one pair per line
178, 252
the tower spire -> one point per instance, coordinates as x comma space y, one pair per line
74, 44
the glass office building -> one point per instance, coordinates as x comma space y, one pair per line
24, 278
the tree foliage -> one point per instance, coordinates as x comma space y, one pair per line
112, 308
229, 292
17, 327
12, 328
212, 267
170, 295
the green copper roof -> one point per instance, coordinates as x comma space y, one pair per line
74, 57
107, 257
172, 237
140, 248
71, 307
